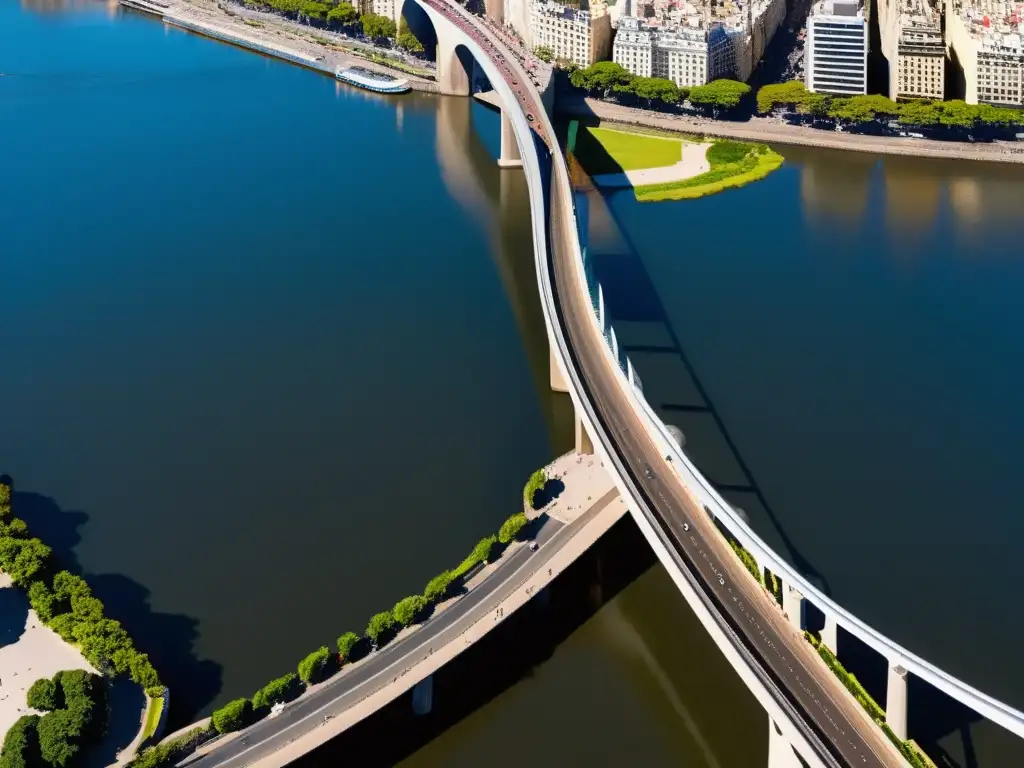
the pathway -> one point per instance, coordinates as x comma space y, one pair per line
694, 162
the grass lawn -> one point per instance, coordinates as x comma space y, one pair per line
156, 706
733, 164
602, 150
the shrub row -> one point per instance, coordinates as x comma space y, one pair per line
75, 705
852, 684
65, 603
173, 751
321, 664
748, 561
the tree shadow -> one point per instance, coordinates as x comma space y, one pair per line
552, 489
13, 615
126, 703
169, 639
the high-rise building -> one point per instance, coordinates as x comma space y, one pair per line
986, 38
836, 49
911, 38
575, 34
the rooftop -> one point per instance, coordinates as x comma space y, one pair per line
997, 24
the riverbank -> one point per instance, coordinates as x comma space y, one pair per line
772, 132
272, 35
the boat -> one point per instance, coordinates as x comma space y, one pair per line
372, 81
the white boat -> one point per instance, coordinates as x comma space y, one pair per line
372, 81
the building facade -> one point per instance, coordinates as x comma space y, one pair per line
679, 54
574, 34
987, 40
920, 62
836, 49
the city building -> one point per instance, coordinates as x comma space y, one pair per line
836, 49
985, 40
582, 35
911, 38
381, 7
691, 43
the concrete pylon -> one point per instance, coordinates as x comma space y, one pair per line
793, 606
896, 700
423, 696
780, 753
830, 634
453, 79
557, 382
584, 444
509, 148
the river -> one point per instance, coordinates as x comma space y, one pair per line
256, 393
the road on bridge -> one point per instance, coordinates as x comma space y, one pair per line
842, 726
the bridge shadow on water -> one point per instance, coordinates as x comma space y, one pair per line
169, 639
507, 655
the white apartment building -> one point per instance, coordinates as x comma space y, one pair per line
911, 41
836, 49
679, 54
380, 7
581, 36
987, 38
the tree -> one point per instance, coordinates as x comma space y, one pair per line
23, 559
21, 744
536, 482
846, 110
719, 94
482, 550
999, 115
406, 39
601, 77
544, 53
379, 625
42, 600
650, 89
232, 716
918, 112
791, 94
58, 737
343, 14
346, 643
5, 497
377, 27
43, 695
438, 586
957, 114
313, 668
406, 610
511, 527
275, 691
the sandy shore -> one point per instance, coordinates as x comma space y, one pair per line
693, 162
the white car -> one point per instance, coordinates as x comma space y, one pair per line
686, 526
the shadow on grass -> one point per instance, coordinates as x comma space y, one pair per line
169, 639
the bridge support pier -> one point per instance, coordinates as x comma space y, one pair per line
830, 634
780, 753
584, 444
423, 696
793, 606
557, 382
509, 149
896, 700
453, 79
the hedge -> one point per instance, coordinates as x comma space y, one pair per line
437, 587
173, 751
511, 527
748, 561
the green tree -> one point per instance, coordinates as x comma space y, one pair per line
791, 94
407, 609
379, 625
483, 548
544, 53
281, 689
957, 114
918, 112
511, 527
313, 668
377, 27
42, 600
21, 743
343, 14
233, 716
23, 559
43, 695
536, 482
438, 586
59, 733
5, 498
846, 110
406, 39
346, 643
999, 115
601, 77
718, 95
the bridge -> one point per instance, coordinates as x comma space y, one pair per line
811, 714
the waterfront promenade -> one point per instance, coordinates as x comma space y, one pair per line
591, 505
771, 131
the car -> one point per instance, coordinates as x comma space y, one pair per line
534, 546
648, 472
686, 526
721, 580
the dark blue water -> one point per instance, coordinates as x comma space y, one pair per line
263, 368
856, 325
